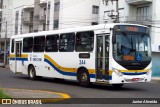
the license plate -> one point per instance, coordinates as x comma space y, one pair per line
135, 79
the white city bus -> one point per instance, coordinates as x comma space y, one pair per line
108, 53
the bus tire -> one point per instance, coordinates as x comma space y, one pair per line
83, 78
117, 85
32, 73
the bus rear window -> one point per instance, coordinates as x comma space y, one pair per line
84, 41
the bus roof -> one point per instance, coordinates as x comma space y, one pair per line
76, 29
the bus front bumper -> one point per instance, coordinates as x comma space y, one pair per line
120, 79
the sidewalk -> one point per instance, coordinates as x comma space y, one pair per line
156, 79
24, 93
33, 96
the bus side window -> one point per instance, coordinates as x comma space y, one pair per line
12, 46
52, 42
67, 42
84, 41
39, 44
28, 44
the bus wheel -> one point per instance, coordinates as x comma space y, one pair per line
117, 85
32, 73
83, 78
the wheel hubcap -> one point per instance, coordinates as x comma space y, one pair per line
31, 73
84, 77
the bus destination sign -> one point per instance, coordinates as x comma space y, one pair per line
131, 28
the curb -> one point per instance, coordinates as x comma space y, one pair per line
155, 79
57, 96
64, 95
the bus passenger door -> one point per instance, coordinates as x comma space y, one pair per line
102, 57
18, 54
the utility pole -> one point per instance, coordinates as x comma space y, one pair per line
117, 8
5, 46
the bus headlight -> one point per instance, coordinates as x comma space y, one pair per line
117, 72
149, 71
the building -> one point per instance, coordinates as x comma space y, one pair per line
146, 12
60, 14
1, 45
39, 15
9, 21
26, 16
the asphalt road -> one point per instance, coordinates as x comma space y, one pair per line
140, 90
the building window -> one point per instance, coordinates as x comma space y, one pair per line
56, 23
28, 44
39, 44
16, 30
49, 6
143, 13
17, 15
94, 23
44, 26
30, 28
31, 16
52, 42
22, 13
21, 29
67, 42
95, 9
84, 41
56, 6
0, 26
16, 22
36, 30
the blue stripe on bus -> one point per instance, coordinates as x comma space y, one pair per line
60, 71
92, 76
110, 77
66, 73
19, 59
126, 73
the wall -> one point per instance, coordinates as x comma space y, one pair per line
77, 13
156, 64
8, 12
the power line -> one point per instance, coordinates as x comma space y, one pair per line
72, 2
62, 6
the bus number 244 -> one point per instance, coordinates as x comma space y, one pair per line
82, 62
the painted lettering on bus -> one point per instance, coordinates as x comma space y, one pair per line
82, 62
37, 59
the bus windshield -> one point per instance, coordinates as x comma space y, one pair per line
132, 47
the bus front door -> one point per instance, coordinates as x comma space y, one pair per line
102, 60
18, 62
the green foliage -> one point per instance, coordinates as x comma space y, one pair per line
3, 94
